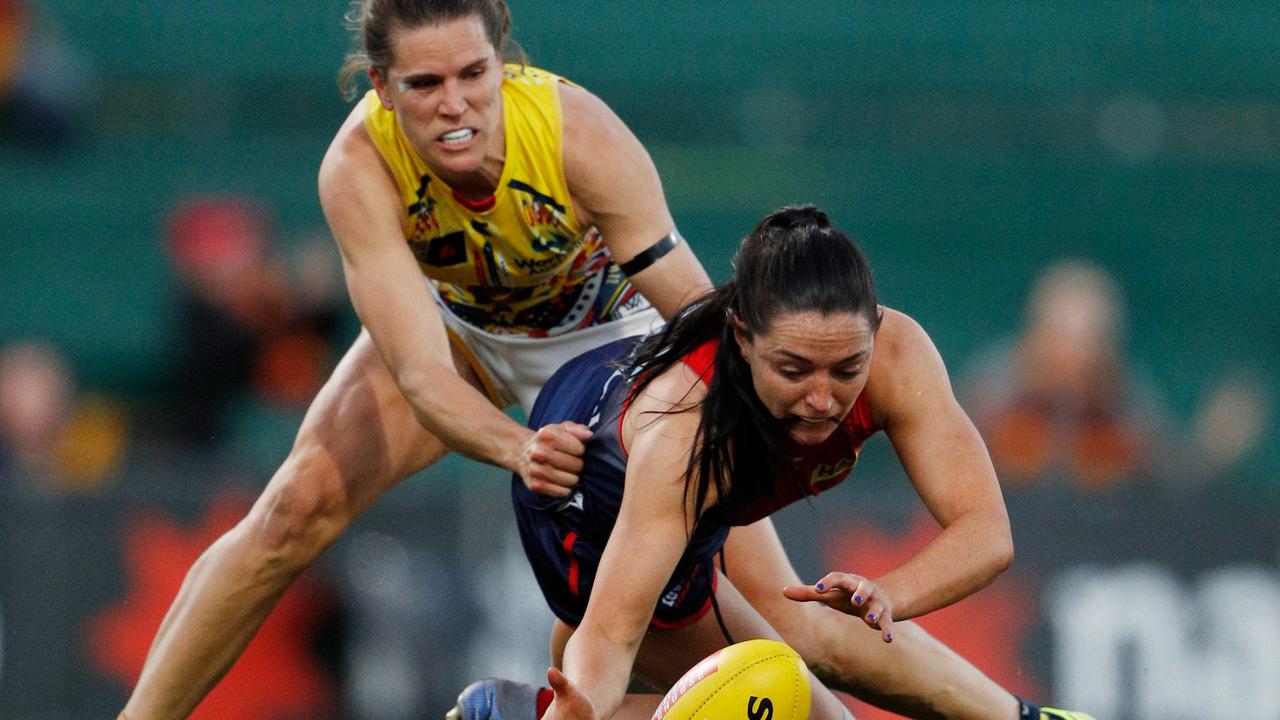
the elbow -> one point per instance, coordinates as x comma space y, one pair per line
1001, 557
418, 389
622, 631
413, 384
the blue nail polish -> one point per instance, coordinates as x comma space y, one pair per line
857, 599
889, 637
871, 617
820, 586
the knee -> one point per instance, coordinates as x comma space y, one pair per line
813, 637
303, 510
834, 649
822, 655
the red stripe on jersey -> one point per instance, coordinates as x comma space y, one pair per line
478, 206
569, 540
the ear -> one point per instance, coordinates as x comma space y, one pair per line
384, 91
741, 336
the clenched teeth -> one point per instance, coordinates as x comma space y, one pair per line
457, 137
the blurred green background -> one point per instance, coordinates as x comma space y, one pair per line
967, 145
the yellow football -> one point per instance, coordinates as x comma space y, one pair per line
752, 680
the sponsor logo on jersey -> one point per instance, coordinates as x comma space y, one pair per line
672, 596
631, 305
575, 501
824, 472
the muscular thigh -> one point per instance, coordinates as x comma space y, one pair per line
362, 429
840, 648
756, 561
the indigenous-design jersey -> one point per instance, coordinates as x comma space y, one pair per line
565, 537
520, 261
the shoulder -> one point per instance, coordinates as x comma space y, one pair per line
669, 405
589, 121
900, 337
592, 130
582, 111
678, 387
597, 150
350, 155
357, 190
906, 367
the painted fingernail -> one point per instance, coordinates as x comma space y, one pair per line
857, 599
871, 617
889, 637
820, 586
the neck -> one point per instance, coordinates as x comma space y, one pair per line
483, 181
478, 184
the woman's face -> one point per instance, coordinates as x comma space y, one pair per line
810, 368
445, 87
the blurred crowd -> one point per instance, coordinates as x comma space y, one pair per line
1062, 401
257, 315
257, 322
252, 318
255, 319
43, 79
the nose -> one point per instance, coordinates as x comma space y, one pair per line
452, 101
820, 399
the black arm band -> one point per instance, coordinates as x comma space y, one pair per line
651, 254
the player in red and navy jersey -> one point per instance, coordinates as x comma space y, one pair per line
759, 394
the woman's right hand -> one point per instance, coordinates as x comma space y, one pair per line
570, 702
550, 459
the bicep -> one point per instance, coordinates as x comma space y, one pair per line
386, 287
940, 449
613, 179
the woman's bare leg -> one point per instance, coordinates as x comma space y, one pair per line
915, 675
359, 438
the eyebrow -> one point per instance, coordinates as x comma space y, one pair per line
433, 77
856, 357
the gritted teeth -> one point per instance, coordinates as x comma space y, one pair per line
457, 137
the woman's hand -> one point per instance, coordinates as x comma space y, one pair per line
551, 458
851, 594
570, 703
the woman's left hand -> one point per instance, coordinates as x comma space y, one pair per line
852, 594
570, 702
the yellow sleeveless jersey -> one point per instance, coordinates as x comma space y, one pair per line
520, 262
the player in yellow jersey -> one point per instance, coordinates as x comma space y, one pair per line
540, 225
